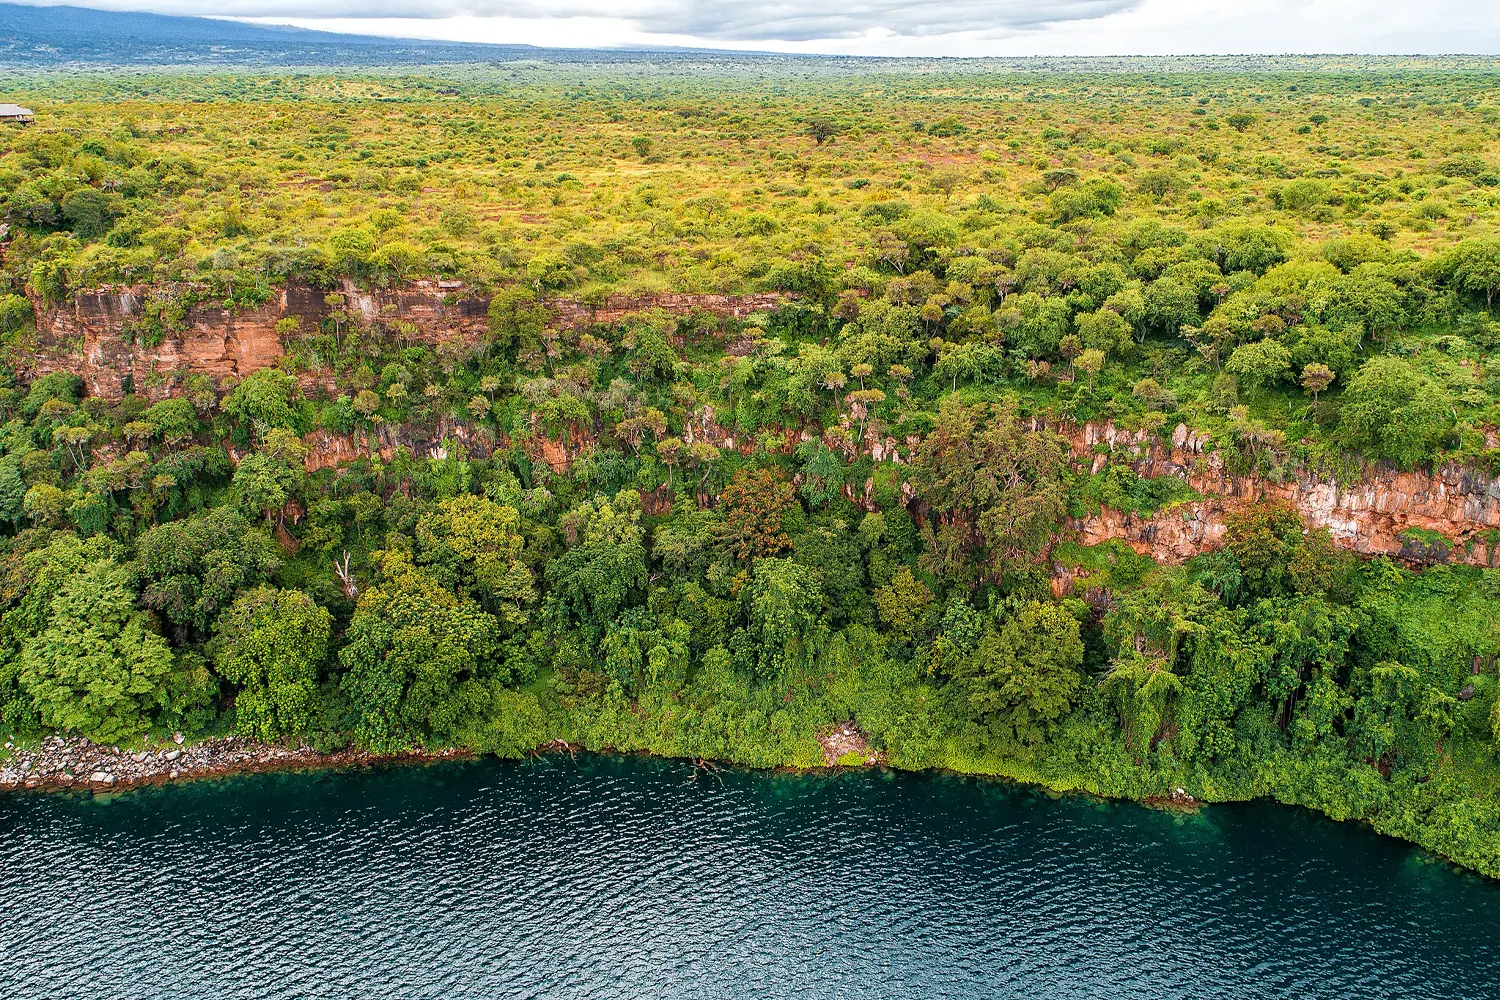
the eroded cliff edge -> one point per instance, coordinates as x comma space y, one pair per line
1386, 512
95, 336
1452, 515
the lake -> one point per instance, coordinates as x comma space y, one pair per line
607, 877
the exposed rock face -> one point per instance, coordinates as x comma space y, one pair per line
1370, 517
95, 336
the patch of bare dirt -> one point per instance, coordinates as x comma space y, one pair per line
840, 741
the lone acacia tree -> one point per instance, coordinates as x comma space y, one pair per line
823, 129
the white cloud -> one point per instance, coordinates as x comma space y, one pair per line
901, 27
724, 20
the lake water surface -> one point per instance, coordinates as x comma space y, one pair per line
628, 877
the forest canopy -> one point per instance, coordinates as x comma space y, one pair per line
717, 535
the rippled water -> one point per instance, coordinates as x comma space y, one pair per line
623, 877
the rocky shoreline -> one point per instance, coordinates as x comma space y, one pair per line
59, 763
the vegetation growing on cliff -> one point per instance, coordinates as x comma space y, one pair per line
715, 537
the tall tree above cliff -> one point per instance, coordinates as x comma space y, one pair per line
995, 490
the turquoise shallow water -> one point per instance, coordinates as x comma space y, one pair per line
629, 877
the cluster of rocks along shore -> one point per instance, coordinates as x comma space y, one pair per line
63, 762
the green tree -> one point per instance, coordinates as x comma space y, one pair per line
517, 318
1142, 689
96, 667
191, 570
419, 660
781, 605
1105, 330
822, 129
175, 420
1091, 362
1260, 364
15, 313
271, 644
1402, 715
1170, 305
1276, 553
12, 491
92, 212
474, 545
1475, 266
992, 488
605, 561
1395, 410
264, 485
263, 400
903, 603
1316, 378
1024, 677
44, 503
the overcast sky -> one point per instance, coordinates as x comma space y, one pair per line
901, 27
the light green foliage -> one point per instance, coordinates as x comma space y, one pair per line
903, 603
516, 318
1260, 364
263, 400
272, 643
95, 667
12, 491
175, 420
15, 312
419, 660
1395, 410
60, 386
471, 544
264, 484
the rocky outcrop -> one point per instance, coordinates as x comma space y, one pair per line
96, 336
1387, 512
61, 762
1420, 518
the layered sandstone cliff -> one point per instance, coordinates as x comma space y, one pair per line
96, 335
1387, 512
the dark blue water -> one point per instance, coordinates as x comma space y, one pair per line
622, 877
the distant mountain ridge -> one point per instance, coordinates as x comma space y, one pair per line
60, 36
43, 37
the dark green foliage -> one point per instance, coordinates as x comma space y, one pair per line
272, 644
1024, 675
715, 527
191, 570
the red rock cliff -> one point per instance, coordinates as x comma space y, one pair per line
1371, 517
94, 336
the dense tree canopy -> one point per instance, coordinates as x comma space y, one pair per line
432, 414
